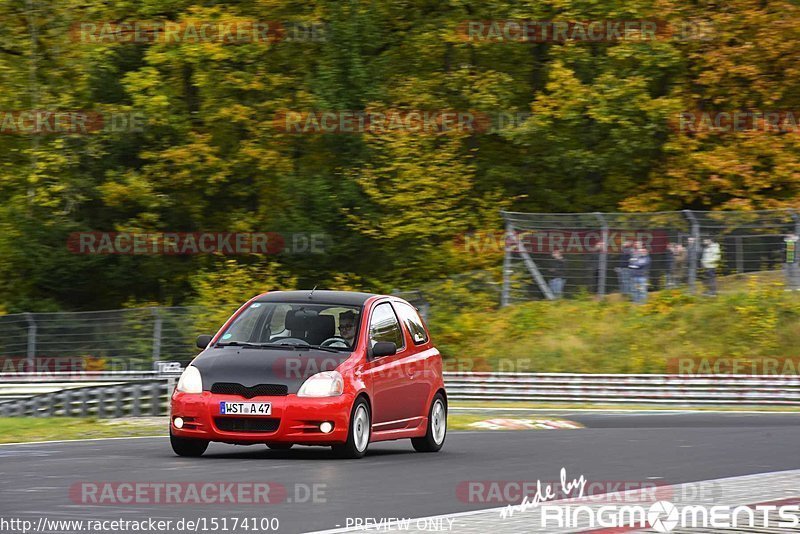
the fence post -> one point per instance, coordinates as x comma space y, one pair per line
31, 342
504, 297
602, 267
693, 250
156, 334
739, 255
792, 269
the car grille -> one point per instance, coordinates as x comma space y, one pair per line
259, 390
247, 424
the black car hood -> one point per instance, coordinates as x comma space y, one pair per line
251, 366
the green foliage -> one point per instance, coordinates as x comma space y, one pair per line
220, 291
597, 137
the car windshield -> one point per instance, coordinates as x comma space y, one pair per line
294, 325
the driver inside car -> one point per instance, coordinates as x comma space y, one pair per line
347, 326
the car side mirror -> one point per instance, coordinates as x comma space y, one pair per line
203, 341
384, 348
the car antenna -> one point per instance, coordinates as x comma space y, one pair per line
312, 293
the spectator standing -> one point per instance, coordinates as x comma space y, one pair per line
640, 274
710, 262
676, 264
558, 270
623, 269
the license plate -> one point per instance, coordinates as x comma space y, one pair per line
245, 408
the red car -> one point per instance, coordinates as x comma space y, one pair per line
333, 368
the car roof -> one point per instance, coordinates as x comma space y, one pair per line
346, 298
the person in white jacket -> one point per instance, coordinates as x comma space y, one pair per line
710, 261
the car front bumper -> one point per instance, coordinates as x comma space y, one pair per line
295, 419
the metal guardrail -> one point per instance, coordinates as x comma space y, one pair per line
132, 395
670, 390
129, 399
14, 386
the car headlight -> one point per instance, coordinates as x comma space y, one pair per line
325, 384
190, 381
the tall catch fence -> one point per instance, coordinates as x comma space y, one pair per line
687, 249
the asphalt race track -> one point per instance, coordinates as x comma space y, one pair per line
394, 481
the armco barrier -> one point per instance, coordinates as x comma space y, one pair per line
128, 399
135, 395
669, 390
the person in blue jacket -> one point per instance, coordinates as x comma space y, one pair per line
640, 273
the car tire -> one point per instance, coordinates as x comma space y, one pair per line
359, 432
437, 427
188, 446
280, 446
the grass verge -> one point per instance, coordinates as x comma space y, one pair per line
19, 429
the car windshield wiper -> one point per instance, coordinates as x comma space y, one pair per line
328, 349
237, 344
297, 346
250, 345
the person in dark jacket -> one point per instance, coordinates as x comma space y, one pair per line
640, 274
623, 269
558, 271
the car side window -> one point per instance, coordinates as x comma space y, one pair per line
383, 326
409, 316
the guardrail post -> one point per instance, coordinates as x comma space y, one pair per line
137, 400
31, 354
693, 250
100, 394
67, 403
49, 403
602, 267
155, 392
84, 394
119, 392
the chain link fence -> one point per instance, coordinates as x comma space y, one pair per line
554, 255
111, 340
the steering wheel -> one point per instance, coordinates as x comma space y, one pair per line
289, 341
335, 341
